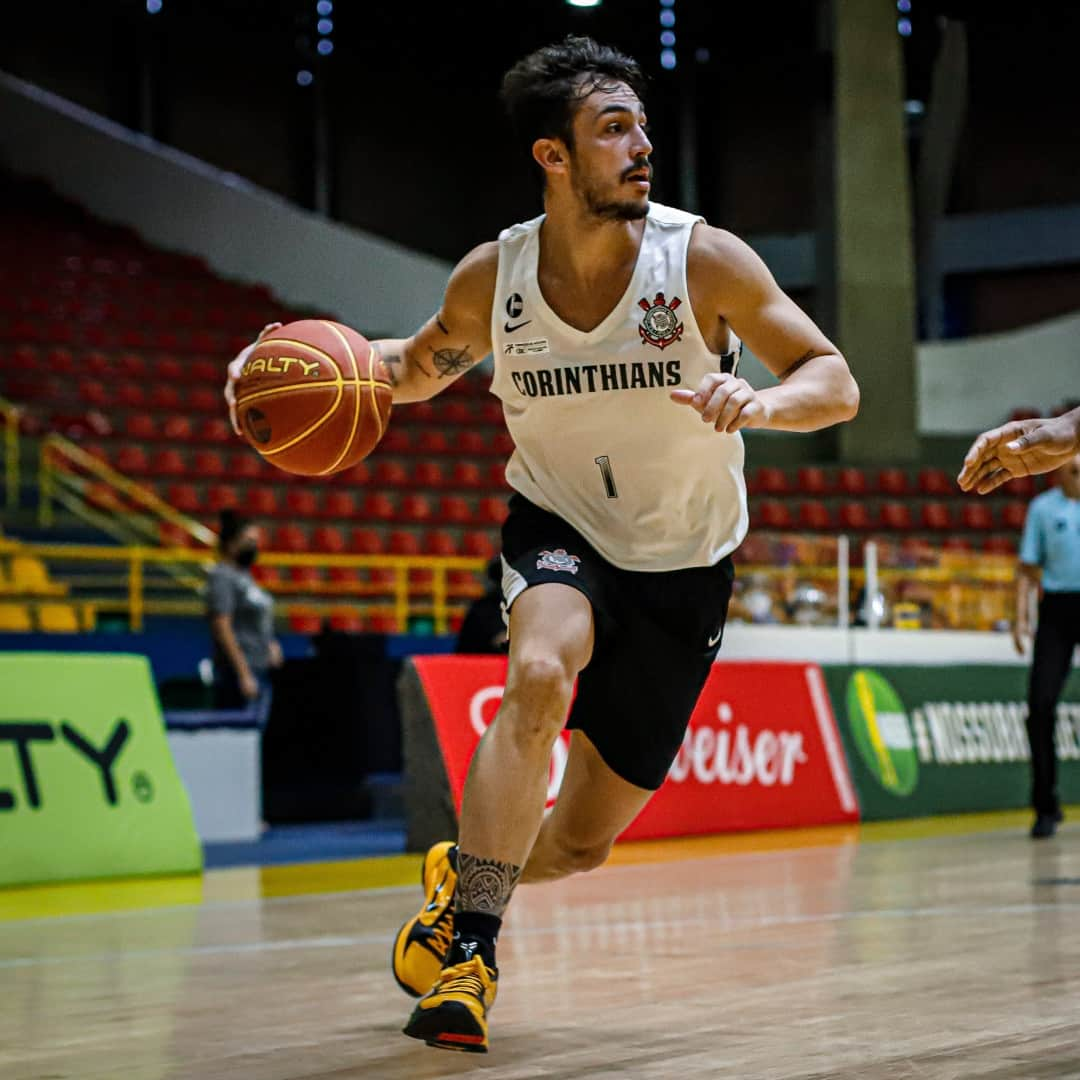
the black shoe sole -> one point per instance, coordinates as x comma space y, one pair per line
449, 1027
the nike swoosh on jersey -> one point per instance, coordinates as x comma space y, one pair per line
507, 328
713, 640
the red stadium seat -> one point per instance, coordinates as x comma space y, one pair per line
441, 543
168, 462
329, 539
466, 474
302, 502
304, 620
165, 397
811, 480
454, 510
359, 475
203, 399
427, 474
208, 463
131, 366
936, 516
204, 370
96, 363
1013, 515
422, 413
491, 510
956, 543
344, 578
130, 395
133, 460
892, 482
346, 620
497, 476
403, 542
936, 482
390, 474
221, 497
289, 538
176, 429
814, 515
168, 369
365, 542
269, 577
92, 392
173, 535
977, 515
184, 497
260, 501
432, 442
378, 506
415, 508
1020, 487
999, 545
339, 504
772, 514
851, 481
854, 515
215, 429
456, 412
895, 517
139, 426
245, 465
770, 481
397, 440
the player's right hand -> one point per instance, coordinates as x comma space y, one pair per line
1020, 635
1019, 448
236, 365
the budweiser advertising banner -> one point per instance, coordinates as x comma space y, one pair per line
762, 750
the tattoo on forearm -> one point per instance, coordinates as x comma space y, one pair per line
484, 884
451, 361
441, 324
804, 359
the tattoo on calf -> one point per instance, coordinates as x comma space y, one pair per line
484, 884
451, 361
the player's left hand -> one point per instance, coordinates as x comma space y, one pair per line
725, 401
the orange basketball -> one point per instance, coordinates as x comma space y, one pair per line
313, 398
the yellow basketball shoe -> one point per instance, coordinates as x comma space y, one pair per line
453, 1014
421, 945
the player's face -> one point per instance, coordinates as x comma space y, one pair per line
610, 170
1069, 477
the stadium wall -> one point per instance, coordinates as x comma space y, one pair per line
241, 230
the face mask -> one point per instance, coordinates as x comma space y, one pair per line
246, 555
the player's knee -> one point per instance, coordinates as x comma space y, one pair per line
581, 858
542, 678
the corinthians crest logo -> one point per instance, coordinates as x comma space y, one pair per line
660, 325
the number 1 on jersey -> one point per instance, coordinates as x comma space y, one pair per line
609, 477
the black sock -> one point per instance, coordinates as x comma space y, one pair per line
475, 934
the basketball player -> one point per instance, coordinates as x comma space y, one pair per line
615, 327
1020, 448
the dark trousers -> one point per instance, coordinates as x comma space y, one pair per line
1058, 634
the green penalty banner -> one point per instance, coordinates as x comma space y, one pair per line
88, 788
939, 740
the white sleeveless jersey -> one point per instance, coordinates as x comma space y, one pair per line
598, 440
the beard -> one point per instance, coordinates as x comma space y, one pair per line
603, 203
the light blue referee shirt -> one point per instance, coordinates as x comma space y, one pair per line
1052, 540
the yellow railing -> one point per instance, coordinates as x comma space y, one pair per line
12, 469
139, 596
128, 510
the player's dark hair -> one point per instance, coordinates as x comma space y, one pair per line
230, 526
541, 93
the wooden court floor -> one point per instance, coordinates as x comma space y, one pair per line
940, 950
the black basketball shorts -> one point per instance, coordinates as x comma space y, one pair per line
656, 636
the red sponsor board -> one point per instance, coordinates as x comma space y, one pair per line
762, 749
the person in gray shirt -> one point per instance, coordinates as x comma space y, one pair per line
241, 616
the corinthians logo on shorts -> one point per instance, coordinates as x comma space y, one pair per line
660, 326
557, 560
